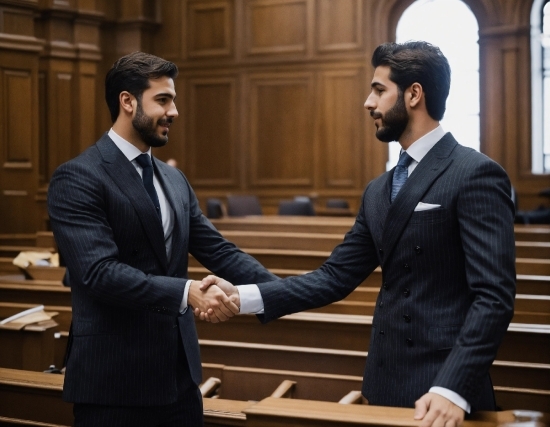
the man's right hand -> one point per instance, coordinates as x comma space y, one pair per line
231, 291
211, 300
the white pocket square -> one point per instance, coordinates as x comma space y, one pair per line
425, 207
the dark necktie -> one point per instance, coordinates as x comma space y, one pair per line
400, 174
145, 162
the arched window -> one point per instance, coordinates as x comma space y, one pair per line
540, 86
450, 25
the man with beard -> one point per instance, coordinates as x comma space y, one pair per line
124, 223
440, 225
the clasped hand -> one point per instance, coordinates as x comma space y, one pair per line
214, 299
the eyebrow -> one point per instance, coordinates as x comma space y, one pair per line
377, 85
164, 95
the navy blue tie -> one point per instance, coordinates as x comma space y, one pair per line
145, 162
400, 174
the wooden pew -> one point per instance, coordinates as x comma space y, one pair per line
511, 374
532, 284
352, 332
295, 224
274, 412
528, 308
311, 260
33, 292
243, 383
34, 399
32, 348
532, 233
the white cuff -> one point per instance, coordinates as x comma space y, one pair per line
183, 305
456, 398
251, 299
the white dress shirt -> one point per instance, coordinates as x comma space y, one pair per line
251, 298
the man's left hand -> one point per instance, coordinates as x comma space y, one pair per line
436, 411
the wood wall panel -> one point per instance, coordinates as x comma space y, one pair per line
209, 28
17, 102
211, 141
281, 129
339, 25
340, 134
16, 21
276, 26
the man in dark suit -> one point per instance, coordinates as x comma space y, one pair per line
440, 225
124, 223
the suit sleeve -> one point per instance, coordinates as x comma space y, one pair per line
219, 255
77, 206
348, 265
486, 217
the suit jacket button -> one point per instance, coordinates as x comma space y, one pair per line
385, 285
381, 332
407, 267
381, 251
381, 304
410, 342
406, 292
407, 318
418, 250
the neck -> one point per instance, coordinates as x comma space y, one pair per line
128, 132
416, 130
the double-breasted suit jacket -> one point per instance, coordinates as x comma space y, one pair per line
448, 273
126, 293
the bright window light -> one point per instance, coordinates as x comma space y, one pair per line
450, 25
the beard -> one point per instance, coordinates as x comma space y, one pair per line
394, 122
147, 130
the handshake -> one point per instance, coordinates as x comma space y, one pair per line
214, 299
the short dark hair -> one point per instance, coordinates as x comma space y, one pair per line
132, 73
418, 62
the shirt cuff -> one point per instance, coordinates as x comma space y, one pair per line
183, 305
456, 398
251, 299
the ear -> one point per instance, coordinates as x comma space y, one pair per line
415, 93
127, 102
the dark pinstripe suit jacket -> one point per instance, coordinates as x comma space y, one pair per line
125, 292
448, 277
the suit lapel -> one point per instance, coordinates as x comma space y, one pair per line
175, 198
124, 175
436, 161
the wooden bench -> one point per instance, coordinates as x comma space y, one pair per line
32, 348
532, 233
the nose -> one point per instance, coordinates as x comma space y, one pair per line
369, 103
173, 111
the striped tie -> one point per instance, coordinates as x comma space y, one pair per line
400, 174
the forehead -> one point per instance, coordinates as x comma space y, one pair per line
382, 76
162, 85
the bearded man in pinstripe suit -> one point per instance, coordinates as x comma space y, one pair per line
440, 225
133, 354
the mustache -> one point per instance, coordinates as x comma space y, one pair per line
375, 114
167, 121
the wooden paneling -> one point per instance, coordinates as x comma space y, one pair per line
17, 133
209, 28
281, 129
339, 131
211, 138
339, 25
276, 26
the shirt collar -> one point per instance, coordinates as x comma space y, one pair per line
421, 146
128, 149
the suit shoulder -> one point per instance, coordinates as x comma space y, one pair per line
466, 157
